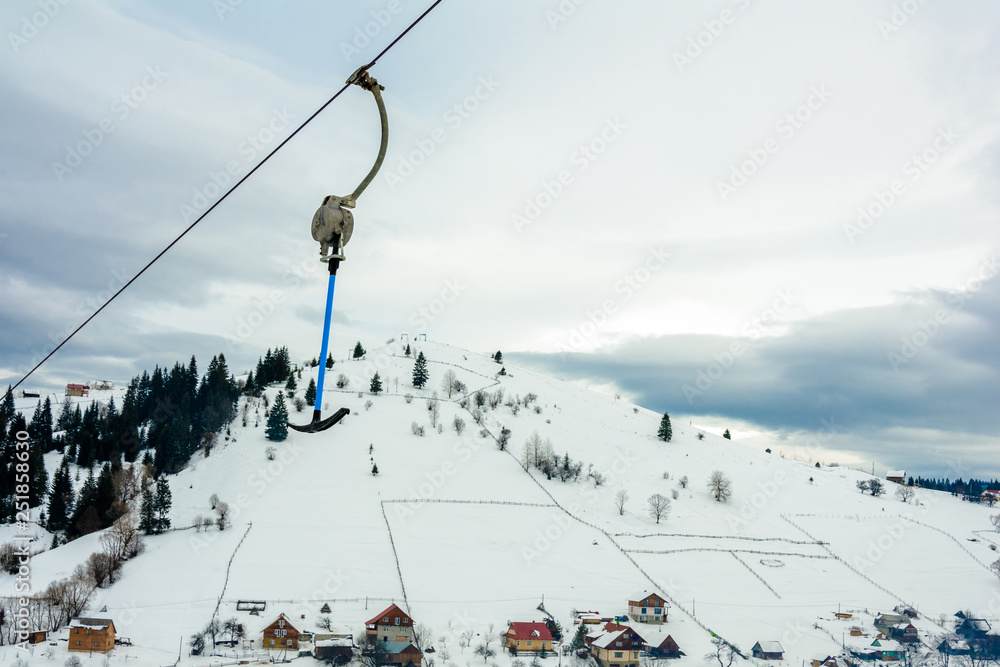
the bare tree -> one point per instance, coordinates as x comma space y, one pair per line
724, 653
99, 568
465, 639
995, 520
459, 425
324, 623
620, 498
904, 493
121, 542
683, 481
876, 487
222, 512
659, 506
435, 411
489, 636
720, 486
448, 381
995, 567
422, 635
485, 652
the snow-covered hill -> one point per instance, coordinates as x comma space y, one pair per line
459, 533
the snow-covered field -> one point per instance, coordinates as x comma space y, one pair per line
314, 526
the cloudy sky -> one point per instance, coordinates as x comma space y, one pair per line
772, 216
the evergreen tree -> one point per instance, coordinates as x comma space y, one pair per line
38, 484
420, 371
579, 640
498, 357
162, 503
105, 496
329, 360
85, 518
374, 468
290, 383
407, 352
65, 421
726, 435
250, 387
60, 498
311, 392
666, 432
7, 411
147, 513
277, 420
376, 384
359, 351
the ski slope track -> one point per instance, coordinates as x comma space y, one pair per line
463, 536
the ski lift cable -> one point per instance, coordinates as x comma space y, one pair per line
223, 197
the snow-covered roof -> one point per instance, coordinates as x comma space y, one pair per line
770, 647
392, 648
337, 642
896, 473
90, 623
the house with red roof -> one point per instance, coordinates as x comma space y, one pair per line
530, 637
392, 625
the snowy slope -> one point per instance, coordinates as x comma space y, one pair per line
794, 544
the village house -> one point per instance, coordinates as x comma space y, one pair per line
392, 625
825, 660
91, 634
280, 634
768, 650
531, 637
908, 612
336, 650
990, 497
647, 607
659, 645
402, 653
620, 648
897, 476
886, 650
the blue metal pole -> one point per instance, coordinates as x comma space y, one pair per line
326, 342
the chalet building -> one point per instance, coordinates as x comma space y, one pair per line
392, 625
954, 647
885, 650
768, 651
885, 623
897, 476
77, 390
647, 607
973, 628
618, 649
528, 637
91, 634
402, 653
280, 634
37, 636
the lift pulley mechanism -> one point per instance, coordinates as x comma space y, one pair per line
332, 227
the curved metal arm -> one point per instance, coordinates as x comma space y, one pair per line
363, 79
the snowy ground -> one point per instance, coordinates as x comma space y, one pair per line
320, 528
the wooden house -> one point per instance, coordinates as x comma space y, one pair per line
659, 646
37, 636
91, 634
768, 650
897, 476
402, 653
647, 607
529, 637
887, 650
280, 634
77, 390
618, 649
338, 651
392, 625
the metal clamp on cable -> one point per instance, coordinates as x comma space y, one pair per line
333, 223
